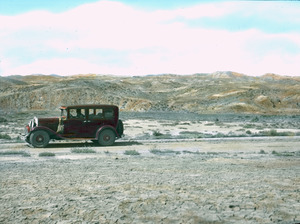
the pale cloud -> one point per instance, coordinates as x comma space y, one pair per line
195, 12
144, 42
67, 66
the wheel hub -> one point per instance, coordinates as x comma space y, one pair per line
106, 137
39, 138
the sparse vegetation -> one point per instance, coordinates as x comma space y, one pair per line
248, 133
5, 136
26, 154
46, 154
219, 135
171, 124
187, 134
2, 120
12, 152
256, 119
131, 153
190, 134
262, 151
274, 132
275, 153
156, 133
213, 153
82, 150
162, 152
185, 123
247, 126
191, 152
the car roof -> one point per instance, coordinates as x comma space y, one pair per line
88, 106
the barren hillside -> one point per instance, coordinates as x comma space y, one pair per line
220, 92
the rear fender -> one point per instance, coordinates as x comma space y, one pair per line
106, 127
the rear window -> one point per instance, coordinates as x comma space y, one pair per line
109, 114
95, 114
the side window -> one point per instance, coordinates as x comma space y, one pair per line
97, 114
109, 114
72, 113
91, 113
77, 113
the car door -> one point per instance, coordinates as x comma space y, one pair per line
74, 124
94, 121
98, 118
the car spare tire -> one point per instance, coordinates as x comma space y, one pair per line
120, 128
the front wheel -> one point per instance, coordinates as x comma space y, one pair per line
39, 139
107, 137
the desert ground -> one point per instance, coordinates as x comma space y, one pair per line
168, 168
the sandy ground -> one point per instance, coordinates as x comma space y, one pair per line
233, 180
145, 129
179, 176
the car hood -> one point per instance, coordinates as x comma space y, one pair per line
45, 121
51, 123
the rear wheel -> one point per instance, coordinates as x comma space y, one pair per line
39, 139
107, 137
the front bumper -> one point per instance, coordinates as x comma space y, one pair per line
26, 134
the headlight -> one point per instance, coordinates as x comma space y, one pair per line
35, 122
27, 129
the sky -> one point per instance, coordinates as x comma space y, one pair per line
137, 37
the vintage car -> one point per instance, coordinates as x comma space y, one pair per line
99, 123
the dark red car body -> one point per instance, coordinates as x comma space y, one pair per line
96, 122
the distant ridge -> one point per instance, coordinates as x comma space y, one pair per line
219, 92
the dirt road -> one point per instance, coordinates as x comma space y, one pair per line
251, 180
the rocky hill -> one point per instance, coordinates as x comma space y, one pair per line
220, 92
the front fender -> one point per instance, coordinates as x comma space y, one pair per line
106, 127
51, 133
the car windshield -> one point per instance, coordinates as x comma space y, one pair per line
63, 113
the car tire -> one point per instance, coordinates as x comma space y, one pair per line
39, 139
107, 137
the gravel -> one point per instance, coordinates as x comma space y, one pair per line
215, 187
